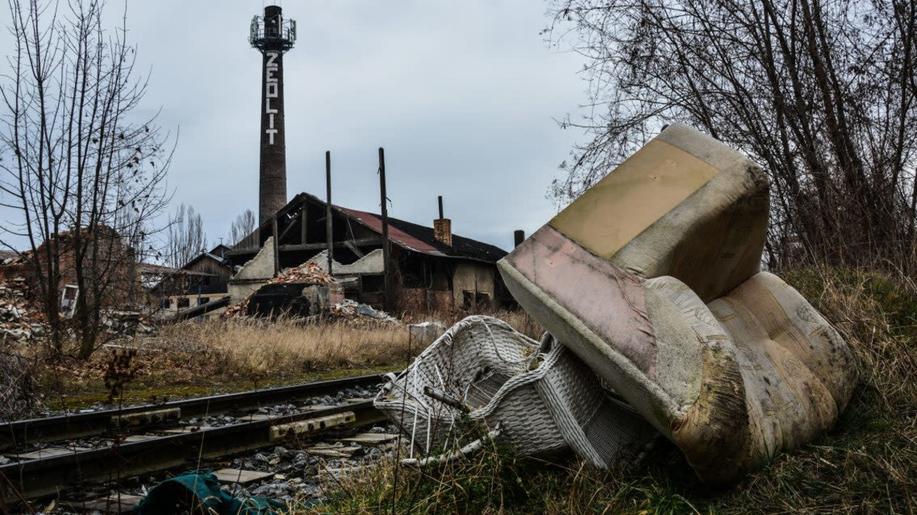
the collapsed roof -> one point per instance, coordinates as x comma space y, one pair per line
408, 235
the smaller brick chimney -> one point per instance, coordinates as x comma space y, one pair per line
442, 227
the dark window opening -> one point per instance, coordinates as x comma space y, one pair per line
202, 300
475, 300
412, 279
373, 283
183, 302
467, 299
345, 256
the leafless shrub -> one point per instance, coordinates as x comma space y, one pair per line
76, 160
18, 397
821, 93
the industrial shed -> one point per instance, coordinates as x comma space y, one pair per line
199, 281
430, 269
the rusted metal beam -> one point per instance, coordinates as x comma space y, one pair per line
202, 309
304, 224
386, 244
361, 242
276, 246
353, 248
329, 228
286, 230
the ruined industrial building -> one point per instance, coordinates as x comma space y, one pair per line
430, 270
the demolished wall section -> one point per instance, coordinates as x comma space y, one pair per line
254, 274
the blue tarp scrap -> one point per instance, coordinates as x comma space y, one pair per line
201, 493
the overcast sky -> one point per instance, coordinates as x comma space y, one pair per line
463, 95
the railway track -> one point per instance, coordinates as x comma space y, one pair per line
20, 434
159, 441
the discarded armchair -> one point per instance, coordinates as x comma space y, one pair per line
652, 278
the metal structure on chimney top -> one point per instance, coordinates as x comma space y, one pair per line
272, 35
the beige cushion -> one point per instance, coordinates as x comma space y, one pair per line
773, 376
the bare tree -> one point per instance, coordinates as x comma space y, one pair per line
242, 226
820, 92
186, 237
86, 175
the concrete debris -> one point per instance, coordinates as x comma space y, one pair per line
10, 260
300, 473
240, 476
371, 438
350, 310
19, 323
425, 333
127, 323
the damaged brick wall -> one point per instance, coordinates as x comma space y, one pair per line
422, 300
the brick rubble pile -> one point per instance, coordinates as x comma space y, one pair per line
307, 273
19, 323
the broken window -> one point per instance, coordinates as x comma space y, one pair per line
68, 299
475, 300
183, 302
467, 299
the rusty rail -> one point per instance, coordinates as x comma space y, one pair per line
17, 434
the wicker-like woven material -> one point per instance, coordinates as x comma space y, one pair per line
540, 396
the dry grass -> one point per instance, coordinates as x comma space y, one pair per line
259, 347
204, 357
867, 463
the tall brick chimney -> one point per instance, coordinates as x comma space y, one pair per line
272, 35
442, 227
